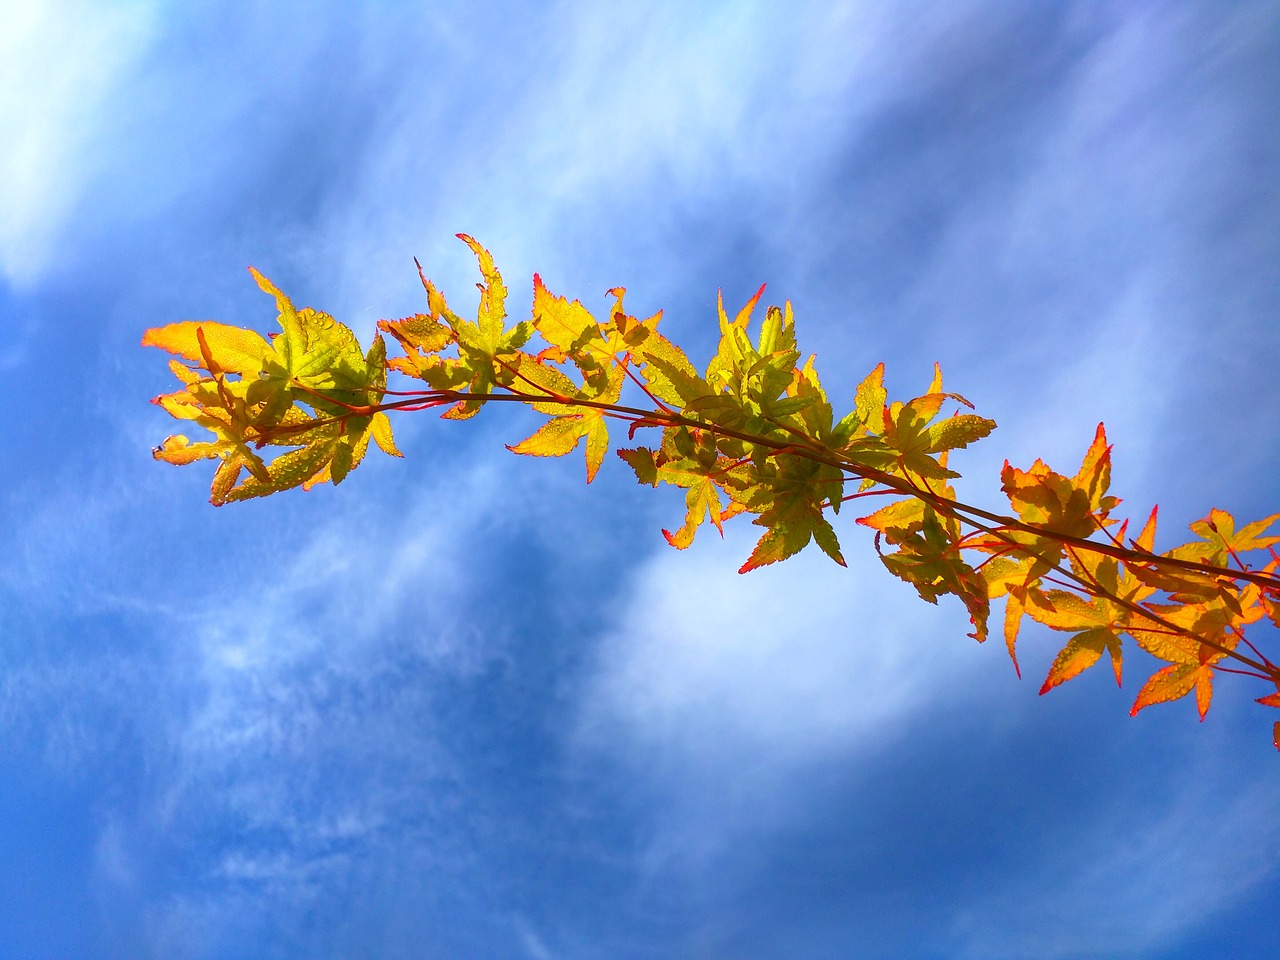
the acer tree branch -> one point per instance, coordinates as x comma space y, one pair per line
753, 433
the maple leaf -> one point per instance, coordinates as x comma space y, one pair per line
314, 349
294, 468
561, 435
1177, 680
563, 324
909, 432
856, 437
869, 401
897, 520
1183, 585
493, 294
380, 430
1220, 541
748, 387
734, 348
702, 482
1075, 506
668, 370
237, 350
567, 326
422, 337
1014, 608
815, 416
1190, 660
602, 351
1048, 499
771, 372
674, 380
927, 559
1096, 625
549, 381
220, 407
602, 384
488, 351
1215, 619
1269, 599
315, 360
1009, 577
958, 430
789, 502
702, 502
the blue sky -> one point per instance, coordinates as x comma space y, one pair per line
467, 707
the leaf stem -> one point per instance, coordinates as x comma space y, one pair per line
807, 447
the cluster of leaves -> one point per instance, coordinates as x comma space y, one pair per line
752, 434
246, 391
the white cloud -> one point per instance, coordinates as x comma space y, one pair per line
59, 61
1084, 307
302, 714
1122, 371
285, 700
113, 862
721, 689
328, 655
617, 118
1144, 876
529, 939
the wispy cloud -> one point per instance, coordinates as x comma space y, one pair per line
59, 61
332, 653
286, 715
318, 713
583, 150
722, 691
1139, 878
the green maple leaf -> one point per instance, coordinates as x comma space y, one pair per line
789, 502
928, 560
910, 433
703, 478
249, 399
488, 351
